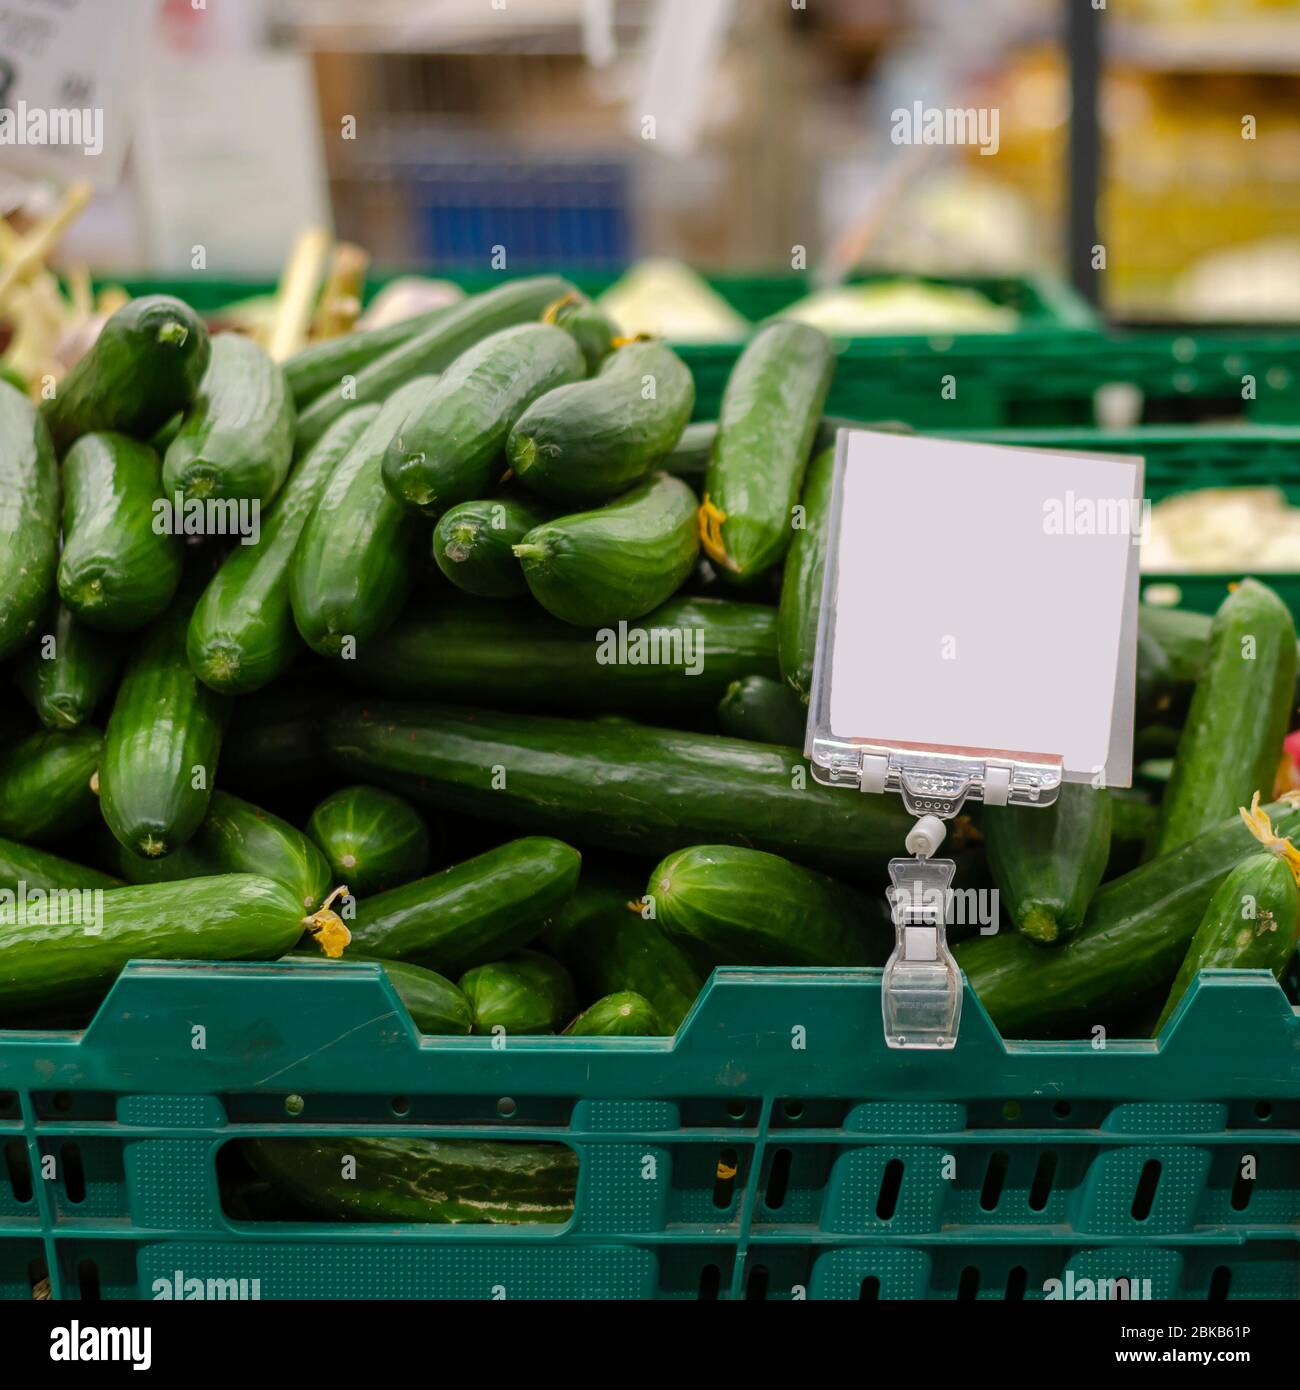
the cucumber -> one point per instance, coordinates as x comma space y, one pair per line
1250, 924
433, 349
233, 917
435, 1004
1232, 741
471, 913
689, 457
161, 745
69, 671
727, 905
763, 710
591, 328
242, 634
766, 426
45, 786
591, 440
1126, 954
621, 785
473, 544
371, 839
237, 437
527, 993
450, 450
21, 864
29, 519
321, 367
611, 949
145, 366
801, 580
1047, 863
680, 656
121, 564
617, 1016
237, 837
618, 562
491, 1182
360, 551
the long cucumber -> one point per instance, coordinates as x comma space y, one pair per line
45, 784
320, 367
36, 868
29, 518
801, 580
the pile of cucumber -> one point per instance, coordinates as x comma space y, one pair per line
460, 635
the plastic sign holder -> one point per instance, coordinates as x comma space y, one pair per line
977, 642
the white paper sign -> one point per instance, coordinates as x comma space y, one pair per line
985, 600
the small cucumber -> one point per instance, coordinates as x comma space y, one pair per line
617, 562
361, 551
372, 839
242, 635
145, 366
320, 367
120, 566
68, 671
611, 949
763, 710
45, 789
801, 580
592, 329
450, 450
233, 917
1250, 924
617, 1016
474, 542
1232, 741
471, 913
237, 437
29, 519
21, 864
591, 440
526, 993
769, 415
434, 1003
237, 837
732, 906
162, 743
1047, 863
433, 349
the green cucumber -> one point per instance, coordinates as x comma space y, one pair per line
242, 634
621, 785
237, 437
234, 917
433, 349
237, 837
617, 1016
471, 913
801, 580
361, 551
1047, 862
680, 656
450, 450
320, 367
591, 440
727, 905
121, 562
145, 365
45, 788
473, 544
590, 327
526, 993
1232, 741
394, 1181
435, 1004
29, 519
763, 710
618, 562
1250, 924
161, 745
21, 864
766, 426
1126, 954
69, 671
689, 457
611, 949
371, 839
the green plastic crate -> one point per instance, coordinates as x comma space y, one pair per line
774, 1149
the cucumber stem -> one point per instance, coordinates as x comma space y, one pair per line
531, 551
174, 333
